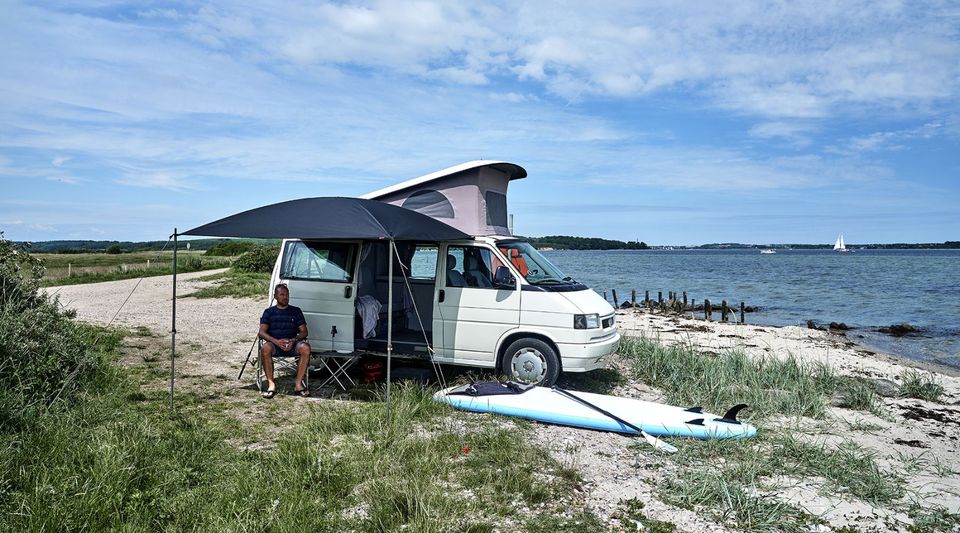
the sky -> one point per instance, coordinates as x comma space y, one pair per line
672, 123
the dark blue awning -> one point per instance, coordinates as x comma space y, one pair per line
330, 218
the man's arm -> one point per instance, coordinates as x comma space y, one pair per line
302, 334
265, 334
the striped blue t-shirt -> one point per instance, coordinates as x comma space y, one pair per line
283, 323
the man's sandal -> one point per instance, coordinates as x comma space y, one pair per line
267, 394
303, 393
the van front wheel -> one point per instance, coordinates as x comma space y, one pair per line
531, 361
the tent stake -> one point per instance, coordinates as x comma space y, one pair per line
173, 330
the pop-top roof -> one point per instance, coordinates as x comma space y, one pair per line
471, 196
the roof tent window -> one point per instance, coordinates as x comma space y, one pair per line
496, 209
430, 203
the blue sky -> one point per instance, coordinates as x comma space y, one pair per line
685, 123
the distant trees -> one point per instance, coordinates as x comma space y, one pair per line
566, 242
231, 248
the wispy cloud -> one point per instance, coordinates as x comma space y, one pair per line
253, 99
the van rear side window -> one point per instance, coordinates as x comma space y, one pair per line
320, 261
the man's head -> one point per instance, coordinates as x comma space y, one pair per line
282, 295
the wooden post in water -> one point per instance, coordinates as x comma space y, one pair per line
707, 311
615, 303
742, 321
693, 303
605, 295
633, 297
646, 298
660, 298
724, 311
684, 299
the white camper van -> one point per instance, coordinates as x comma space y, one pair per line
492, 301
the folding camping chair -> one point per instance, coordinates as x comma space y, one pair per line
280, 362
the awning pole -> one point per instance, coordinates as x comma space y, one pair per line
389, 323
173, 329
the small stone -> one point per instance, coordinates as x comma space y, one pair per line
884, 387
899, 330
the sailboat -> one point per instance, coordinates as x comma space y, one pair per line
839, 246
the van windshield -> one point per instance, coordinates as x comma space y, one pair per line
533, 266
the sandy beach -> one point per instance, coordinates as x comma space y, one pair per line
916, 438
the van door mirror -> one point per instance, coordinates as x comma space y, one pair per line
503, 279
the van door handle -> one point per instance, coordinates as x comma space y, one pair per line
440, 298
348, 291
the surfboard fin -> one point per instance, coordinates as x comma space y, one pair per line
695, 422
696, 409
731, 416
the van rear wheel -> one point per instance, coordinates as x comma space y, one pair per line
531, 360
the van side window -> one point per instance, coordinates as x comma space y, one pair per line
423, 265
469, 266
320, 261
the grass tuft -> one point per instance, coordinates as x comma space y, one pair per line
921, 385
233, 284
770, 386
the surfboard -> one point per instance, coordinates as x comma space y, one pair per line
596, 411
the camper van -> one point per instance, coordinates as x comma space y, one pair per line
492, 301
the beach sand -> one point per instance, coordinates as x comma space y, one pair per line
917, 438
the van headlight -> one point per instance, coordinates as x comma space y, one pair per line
586, 321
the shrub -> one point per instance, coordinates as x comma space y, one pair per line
115, 249
39, 345
260, 259
231, 248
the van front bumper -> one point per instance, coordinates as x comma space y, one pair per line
590, 356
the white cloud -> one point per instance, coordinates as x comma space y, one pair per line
159, 181
59, 160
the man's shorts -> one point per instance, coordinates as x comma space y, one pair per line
277, 352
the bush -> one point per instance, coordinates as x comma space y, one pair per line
260, 259
115, 249
39, 345
231, 248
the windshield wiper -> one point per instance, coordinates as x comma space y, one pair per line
545, 281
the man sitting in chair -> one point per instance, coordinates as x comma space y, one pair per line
284, 331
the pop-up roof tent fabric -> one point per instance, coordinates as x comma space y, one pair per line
330, 218
471, 197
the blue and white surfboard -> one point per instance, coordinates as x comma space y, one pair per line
597, 411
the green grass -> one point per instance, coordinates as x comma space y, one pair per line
98, 267
235, 285
921, 385
121, 457
729, 477
770, 386
631, 517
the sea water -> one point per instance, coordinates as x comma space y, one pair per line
865, 289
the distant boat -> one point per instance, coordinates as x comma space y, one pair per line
768, 251
839, 246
